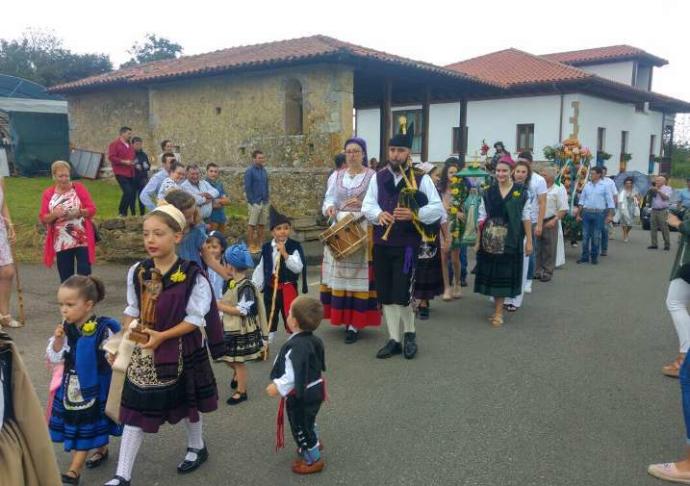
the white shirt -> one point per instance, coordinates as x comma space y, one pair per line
293, 263
556, 200
149, 193
205, 207
537, 187
166, 186
429, 214
611, 186
198, 305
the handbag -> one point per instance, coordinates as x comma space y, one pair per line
494, 234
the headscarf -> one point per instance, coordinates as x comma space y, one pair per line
425, 167
363, 145
506, 159
238, 256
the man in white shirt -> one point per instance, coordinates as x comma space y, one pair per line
397, 239
611, 186
537, 189
202, 190
149, 194
556, 209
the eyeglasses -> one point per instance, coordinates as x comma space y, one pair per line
353, 152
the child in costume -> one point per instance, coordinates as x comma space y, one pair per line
297, 379
244, 320
77, 416
162, 372
282, 261
214, 247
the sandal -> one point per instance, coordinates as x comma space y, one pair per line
496, 320
672, 370
510, 307
67, 479
446, 296
96, 459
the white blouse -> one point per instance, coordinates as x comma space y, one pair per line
198, 305
349, 182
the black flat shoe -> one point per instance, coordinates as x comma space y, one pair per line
120, 481
96, 459
350, 336
409, 345
391, 348
189, 466
234, 401
423, 313
233, 384
67, 479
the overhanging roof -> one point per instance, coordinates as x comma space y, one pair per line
606, 54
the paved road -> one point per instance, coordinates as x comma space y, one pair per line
568, 392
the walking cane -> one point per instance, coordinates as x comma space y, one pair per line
20, 292
273, 303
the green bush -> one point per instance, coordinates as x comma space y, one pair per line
680, 161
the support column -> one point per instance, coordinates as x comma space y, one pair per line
425, 124
463, 131
385, 119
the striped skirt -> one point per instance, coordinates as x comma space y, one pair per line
347, 289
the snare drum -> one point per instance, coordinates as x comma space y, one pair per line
345, 237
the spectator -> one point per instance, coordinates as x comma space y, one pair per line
661, 197
628, 206
556, 209
67, 211
537, 194
684, 196
611, 185
7, 238
256, 191
203, 192
168, 147
149, 195
596, 204
174, 181
141, 170
217, 219
121, 157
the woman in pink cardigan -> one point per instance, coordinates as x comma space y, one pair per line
67, 211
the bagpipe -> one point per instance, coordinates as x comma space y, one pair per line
412, 198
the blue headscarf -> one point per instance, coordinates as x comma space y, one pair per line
238, 256
359, 141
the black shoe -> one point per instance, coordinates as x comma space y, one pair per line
350, 336
391, 348
595, 262
409, 346
233, 384
582, 260
423, 313
652, 247
463, 282
67, 479
234, 401
189, 466
121, 481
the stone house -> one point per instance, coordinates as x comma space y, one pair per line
294, 99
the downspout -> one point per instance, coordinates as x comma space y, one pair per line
560, 120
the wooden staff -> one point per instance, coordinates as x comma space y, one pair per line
20, 292
273, 301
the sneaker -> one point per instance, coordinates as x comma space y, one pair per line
669, 472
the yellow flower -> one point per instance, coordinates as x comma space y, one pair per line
232, 284
178, 276
453, 210
516, 193
455, 191
454, 180
455, 234
88, 328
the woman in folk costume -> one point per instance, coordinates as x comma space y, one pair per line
397, 203
27, 457
348, 293
505, 221
282, 261
162, 372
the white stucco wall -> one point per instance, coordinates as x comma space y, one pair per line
643, 75
368, 126
494, 120
615, 71
442, 118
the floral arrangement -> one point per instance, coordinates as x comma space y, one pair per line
485, 148
626, 157
601, 155
458, 194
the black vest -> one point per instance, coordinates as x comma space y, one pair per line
308, 360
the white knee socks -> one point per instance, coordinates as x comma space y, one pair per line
392, 314
195, 438
132, 437
407, 315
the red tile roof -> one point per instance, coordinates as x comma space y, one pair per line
512, 67
604, 54
246, 57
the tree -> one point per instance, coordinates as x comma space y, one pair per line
153, 48
40, 57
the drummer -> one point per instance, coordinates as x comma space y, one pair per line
347, 285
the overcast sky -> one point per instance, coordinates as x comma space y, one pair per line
431, 30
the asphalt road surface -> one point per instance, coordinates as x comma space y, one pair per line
568, 392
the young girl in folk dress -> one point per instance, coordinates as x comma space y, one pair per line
169, 377
77, 415
244, 320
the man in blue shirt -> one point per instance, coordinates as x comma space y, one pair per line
684, 196
596, 209
256, 191
217, 219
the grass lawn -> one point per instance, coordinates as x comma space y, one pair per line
24, 200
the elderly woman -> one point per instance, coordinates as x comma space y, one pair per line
347, 285
173, 182
67, 211
7, 238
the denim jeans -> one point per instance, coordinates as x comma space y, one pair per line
66, 260
463, 263
685, 395
605, 238
592, 224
